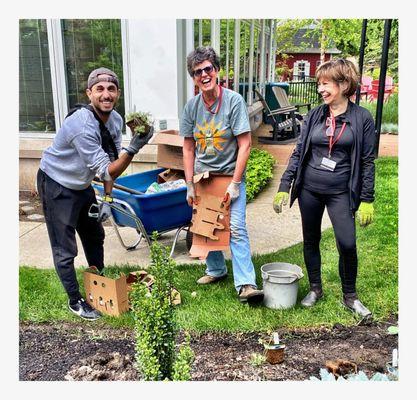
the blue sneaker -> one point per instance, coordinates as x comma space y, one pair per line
84, 310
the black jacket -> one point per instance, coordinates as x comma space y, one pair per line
362, 177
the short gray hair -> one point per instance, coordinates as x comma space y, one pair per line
201, 54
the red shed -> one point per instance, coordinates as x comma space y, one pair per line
305, 58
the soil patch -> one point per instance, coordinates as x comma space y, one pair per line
77, 351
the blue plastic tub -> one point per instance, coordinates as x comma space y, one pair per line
159, 212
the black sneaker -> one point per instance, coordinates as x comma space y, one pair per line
84, 310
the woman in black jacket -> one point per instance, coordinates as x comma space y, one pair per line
332, 166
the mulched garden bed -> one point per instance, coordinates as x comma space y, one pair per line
83, 351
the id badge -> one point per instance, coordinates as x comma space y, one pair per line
328, 164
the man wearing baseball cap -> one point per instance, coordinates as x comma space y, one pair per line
88, 144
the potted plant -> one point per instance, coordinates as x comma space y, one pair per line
139, 122
273, 349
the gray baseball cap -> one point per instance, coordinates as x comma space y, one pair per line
97, 76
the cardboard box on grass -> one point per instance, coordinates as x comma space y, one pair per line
210, 185
111, 296
170, 146
107, 295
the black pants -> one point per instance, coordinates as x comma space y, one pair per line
312, 207
66, 211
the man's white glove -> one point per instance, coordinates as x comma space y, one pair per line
233, 190
190, 193
104, 209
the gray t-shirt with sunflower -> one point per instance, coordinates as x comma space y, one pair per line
215, 135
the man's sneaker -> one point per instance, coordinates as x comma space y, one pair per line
84, 310
248, 294
206, 279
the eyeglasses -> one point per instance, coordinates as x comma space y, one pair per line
329, 125
199, 72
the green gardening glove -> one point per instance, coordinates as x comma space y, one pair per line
366, 213
280, 199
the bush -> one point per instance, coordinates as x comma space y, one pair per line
389, 110
155, 325
182, 365
258, 172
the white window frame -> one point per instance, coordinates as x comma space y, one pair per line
262, 61
124, 31
307, 69
236, 56
296, 68
215, 35
59, 81
249, 99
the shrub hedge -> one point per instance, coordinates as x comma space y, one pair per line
259, 171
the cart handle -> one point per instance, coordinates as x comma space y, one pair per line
128, 211
120, 187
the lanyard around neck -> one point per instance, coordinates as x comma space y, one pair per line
333, 131
208, 108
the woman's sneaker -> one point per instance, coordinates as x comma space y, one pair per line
249, 294
351, 302
84, 310
313, 296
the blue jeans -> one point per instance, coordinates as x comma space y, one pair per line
243, 269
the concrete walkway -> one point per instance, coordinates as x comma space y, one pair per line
267, 230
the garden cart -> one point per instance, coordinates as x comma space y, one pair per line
161, 212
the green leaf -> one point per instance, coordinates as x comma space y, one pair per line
393, 330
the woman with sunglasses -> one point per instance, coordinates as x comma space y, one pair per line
217, 138
332, 166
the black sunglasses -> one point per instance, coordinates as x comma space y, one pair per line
207, 70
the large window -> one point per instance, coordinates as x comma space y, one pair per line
77, 46
36, 108
89, 44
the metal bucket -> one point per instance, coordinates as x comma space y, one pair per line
280, 284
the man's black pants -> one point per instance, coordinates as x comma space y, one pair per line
66, 211
312, 208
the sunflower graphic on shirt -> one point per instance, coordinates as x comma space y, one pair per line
209, 137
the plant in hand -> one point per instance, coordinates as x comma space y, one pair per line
139, 122
155, 325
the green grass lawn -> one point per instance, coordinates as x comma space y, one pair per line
216, 307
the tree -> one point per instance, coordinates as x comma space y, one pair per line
373, 50
345, 35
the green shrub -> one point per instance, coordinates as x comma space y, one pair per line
258, 172
155, 325
389, 109
181, 370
